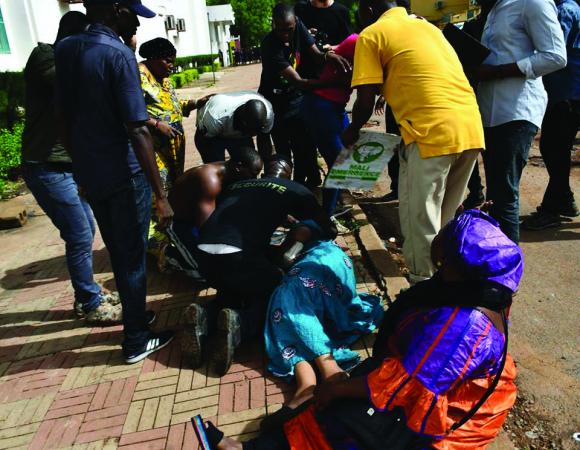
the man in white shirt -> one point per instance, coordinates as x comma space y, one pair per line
526, 42
229, 121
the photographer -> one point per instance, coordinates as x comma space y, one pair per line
329, 24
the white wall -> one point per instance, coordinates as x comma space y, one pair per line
31, 21
194, 41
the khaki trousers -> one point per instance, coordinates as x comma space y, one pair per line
430, 191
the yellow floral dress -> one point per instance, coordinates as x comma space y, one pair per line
164, 105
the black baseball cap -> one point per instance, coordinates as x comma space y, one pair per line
134, 5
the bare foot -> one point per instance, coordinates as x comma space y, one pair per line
300, 397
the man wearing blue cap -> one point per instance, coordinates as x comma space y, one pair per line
103, 127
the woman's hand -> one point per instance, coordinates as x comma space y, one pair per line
167, 130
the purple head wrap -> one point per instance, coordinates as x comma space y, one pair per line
476, 245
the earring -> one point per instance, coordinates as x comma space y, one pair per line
438, 263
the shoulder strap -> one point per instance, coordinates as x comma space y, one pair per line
492, 386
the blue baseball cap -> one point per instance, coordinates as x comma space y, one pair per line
134, 5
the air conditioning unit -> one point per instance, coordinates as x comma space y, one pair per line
181, 25
170, 23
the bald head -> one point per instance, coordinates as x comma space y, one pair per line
250, 118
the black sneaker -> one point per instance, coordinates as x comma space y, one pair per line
569, 210
229, 336
194, 334
155, 342
541, 220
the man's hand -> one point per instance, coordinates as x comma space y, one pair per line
200, 103
164, 213
380, 106
486, 72
340, 62
167, 130
350, 136
324, 394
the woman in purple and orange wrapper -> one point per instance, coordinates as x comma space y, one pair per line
440, 352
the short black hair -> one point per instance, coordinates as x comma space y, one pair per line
247, 156
279, 157
283, 12
73, 22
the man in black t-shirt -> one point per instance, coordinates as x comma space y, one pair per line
282, 51
233, 251
328, 22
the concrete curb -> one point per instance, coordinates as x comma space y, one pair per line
382, 266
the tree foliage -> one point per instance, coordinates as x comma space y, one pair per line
254, 17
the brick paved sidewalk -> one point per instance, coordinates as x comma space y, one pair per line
64, 384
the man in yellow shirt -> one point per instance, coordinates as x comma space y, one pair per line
410, 62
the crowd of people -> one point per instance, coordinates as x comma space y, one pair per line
104, 140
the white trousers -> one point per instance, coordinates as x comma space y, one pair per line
430, 191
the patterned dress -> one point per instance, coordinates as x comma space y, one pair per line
316, 311
163, 104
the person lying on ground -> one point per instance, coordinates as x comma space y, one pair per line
193, 199
440, 376
229, 121
316, 313
233, 255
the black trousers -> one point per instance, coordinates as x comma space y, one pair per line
559, 128
292, 139
474, 184
244, 281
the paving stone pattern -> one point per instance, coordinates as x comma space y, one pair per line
64, 384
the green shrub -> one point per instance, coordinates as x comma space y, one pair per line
11, 97
178, 80
190, 75
186, 62
10, 143
181, 79
216, 66
206, 68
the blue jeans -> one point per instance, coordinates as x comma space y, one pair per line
123, 219
214, 149
326, 121
505, 156
57, 194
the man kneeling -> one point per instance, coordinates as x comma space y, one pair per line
233, 253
